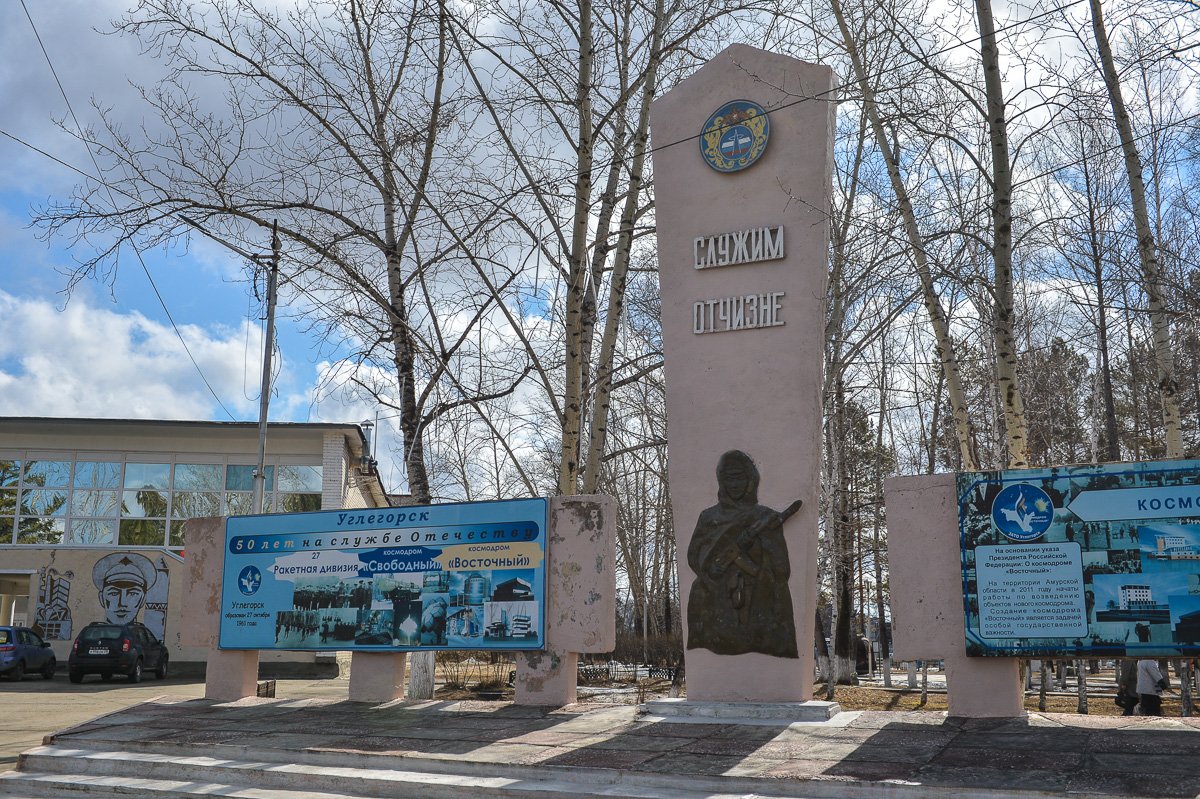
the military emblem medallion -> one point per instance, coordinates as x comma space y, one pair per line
735, 136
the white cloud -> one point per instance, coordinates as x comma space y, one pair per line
85, 361
90, 362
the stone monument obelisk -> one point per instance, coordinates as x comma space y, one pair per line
743, 155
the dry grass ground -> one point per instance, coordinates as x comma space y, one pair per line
859, 698
850, 697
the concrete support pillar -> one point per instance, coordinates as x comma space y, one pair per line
983, 687
377, 677
927, 597
231, 675
581, 596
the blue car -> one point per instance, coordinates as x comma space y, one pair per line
22, 650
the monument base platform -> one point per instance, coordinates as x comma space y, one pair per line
741, 712
324, 747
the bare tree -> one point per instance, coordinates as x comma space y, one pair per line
944, 344
339, 122
1160, 323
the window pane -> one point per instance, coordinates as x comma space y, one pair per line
10, 471
193, 504
299, 503
143, 532
238, 504
89, 474
43, 502
198, 476
93, 531
94, 503
144, 503
176, 534
49, 474
241, 478
8, 501
40, 531
300, 478
147, 475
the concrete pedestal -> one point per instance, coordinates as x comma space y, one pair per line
231, 675
377, 677
742, 712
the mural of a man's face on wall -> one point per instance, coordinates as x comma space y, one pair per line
123, 580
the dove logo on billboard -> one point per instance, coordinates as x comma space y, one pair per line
1022, 512
249, 580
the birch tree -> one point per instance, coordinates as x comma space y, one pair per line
566, 91
1164, 357
1015, 428
887, 149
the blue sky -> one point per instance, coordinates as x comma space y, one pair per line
107, 349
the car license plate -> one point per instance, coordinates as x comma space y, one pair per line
97, 651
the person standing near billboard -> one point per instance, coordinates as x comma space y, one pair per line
1150, 685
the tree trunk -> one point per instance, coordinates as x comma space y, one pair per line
421, 667
842, 552
568, 470
943, 342
1043, 684
1081, 683
823, 664
1111, 451
1016, 435
1183, 670
880, 607
1160, 324
616, 293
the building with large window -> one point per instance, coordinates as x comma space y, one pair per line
88, 506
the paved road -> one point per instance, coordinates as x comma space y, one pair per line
35, 707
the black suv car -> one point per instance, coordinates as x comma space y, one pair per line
106, 649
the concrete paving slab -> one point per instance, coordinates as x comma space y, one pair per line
901, 755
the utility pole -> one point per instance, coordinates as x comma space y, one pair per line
260, 471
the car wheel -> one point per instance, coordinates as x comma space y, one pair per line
75, 676
48, 669
161, 671
135, 674
18, 672
106, 676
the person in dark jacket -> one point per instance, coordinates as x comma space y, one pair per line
1127, 686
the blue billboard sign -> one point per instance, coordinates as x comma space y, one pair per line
1082, 561
456, 576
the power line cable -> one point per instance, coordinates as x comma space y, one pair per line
162, 302
949, 48
824, 95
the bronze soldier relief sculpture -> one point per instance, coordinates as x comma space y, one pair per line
740, 601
